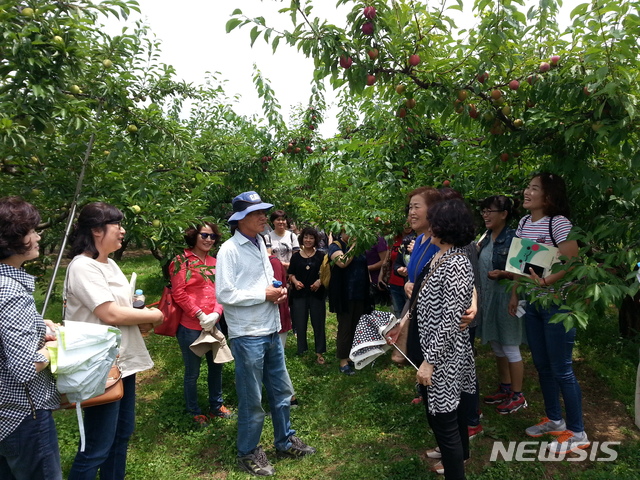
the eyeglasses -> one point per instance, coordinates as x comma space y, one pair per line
486, 212
114, 222
212, 236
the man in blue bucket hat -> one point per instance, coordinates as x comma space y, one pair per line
247, 289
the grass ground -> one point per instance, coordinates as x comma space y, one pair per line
364, 426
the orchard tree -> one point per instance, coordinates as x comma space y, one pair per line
482, 108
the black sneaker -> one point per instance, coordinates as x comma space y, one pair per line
298, 449
256, 463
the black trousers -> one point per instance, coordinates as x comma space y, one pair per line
452, 436
347, 323
301, 309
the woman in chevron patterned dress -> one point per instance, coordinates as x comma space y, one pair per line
447, 367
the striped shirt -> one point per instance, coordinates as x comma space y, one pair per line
22, 331
538, 231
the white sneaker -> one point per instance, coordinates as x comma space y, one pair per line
569, 441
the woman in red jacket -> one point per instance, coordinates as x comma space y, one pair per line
193, 288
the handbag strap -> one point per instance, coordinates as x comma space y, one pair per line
426, 278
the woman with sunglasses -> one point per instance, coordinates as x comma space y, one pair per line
194, 290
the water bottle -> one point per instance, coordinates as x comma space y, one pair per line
138, 299
277, 283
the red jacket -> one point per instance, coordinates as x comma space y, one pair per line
280, 273
198, 293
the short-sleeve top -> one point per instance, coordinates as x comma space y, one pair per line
91, 283
373, 256
283, 247
306, 270
540, 232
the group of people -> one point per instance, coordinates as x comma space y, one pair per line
96, 291
442, 287
447, 283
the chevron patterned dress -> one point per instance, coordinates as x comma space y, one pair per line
441, 304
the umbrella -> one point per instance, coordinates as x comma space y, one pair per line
369, 340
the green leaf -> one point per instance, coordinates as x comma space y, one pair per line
232, 24
254, 34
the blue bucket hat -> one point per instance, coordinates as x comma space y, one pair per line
245, 203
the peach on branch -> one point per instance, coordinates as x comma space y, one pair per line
369, 12
368, 28
345, 62
483, 77
414, 60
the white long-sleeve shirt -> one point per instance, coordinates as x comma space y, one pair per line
243, 273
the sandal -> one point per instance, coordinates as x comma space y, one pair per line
320, 359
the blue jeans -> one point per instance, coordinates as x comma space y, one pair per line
551, 349
260, 360
31, 451
398, 299
107, 428
186, 337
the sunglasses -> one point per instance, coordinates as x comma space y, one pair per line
212, 236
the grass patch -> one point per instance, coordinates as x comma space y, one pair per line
364, 426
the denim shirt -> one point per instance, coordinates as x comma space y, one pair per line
500, 247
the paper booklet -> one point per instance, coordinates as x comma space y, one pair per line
525, 254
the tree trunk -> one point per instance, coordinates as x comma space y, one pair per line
117, 256
629, 316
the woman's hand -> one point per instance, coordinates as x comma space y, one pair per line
51, 330
408, 289
299, 285
497, 275
159, 316
315, 285
393, 334
145, 327
535, 278
410, 246
424, 374
402, 271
